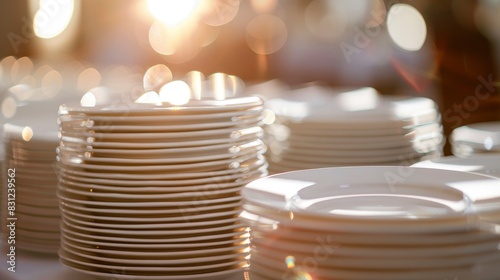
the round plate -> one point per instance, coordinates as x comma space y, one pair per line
181, 174
193, 107
312, 105
383, 199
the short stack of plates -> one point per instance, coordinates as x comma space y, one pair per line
30, 145
153, 191
315, 127
373, 222
478, 138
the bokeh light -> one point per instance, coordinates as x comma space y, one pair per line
52, 18
149, 97
27, 133
195, 80
177, 44
9, 106
156, 76
406, 27
52, 84
88, 79
175, 93
266, 34
264, 6
172, 12
324, 20
21, 68
88, 100
218, 12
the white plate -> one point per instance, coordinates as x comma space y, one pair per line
162, 119
158, 136
90, 158
193, 107
318, 105
276, 269
139, 240
359, 263
180, 224
486, 134
488, 164
215, 165
245, 166
150, 211
165, 186
252, 134
151, 233
156, 265
338, 250
342, 194
151, 219
85, 126
171, 256
225, 148
267, 229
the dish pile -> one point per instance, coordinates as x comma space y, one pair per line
318, 127
478, 138
373, 222
30, 200
152, 190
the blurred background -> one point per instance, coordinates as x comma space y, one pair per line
447, 50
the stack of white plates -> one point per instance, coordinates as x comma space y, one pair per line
30, 164
372, 223
316, 127
476, 138
153, 191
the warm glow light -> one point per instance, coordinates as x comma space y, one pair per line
219, 86
52, 84
88, 79
156, 76
9, 107
218, 12
406, 27
264, 6
178, 44
195, 81
266, 34
27, 133
52, 17
88, 100
149, 97
176, 93
172, 12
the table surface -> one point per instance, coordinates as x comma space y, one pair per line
32, 266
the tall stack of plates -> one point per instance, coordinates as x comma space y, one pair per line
152, 191
374, 222
30, 145
316, 127
478, 138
